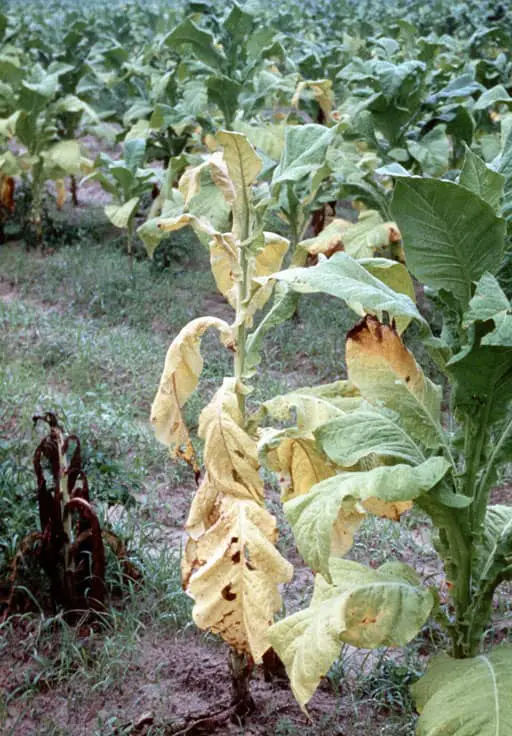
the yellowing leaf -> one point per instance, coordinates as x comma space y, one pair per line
236, 574
120, 215
297, 461
244, 165
386, 373
363, 607
60, 187
230, 454
327, 242
183, 366
314, 406
321, 90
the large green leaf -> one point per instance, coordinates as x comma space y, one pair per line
451, 236
314, 515
200, 42
363, 607
482, 180
483, 378
466, 697
304, 152
345, 278
349, 438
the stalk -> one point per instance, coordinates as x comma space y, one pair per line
240, 665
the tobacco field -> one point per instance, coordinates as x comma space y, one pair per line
256, 368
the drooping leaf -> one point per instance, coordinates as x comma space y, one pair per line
312, 407
236, 571
314, 515
121, 214
451, 236
387, 374
363, 607
230, 455
493, 557
345, 278
297, 460
465, 697
183, 366
64, 155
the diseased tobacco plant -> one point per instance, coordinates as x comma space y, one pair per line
385, 444
230, 566
69, 546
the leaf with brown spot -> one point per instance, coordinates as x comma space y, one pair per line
387, 374
235, 576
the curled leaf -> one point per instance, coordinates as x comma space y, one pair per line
183, 366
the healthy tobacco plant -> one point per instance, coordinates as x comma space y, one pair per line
396, 439
69, 546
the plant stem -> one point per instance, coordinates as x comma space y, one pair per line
240, 665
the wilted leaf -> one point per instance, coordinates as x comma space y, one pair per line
236, 571
183, 366
363, 607
120, 215
314, 515
387, 374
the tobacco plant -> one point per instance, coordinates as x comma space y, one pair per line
69, 546
230, 565
393, 441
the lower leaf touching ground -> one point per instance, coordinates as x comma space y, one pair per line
316, 517
235, 574
466, 697
183, 366
363, 607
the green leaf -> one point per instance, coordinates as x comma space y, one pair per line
432, 151
120, 215
480, 179
134, 152
492, 96
352, 437
493, 557
314, 515
365, 608
202, 43
65, 155
347, 279
451, 236
224, 92
466, 697
304, 152
283, 308
488, 302
483, 377
244, 165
